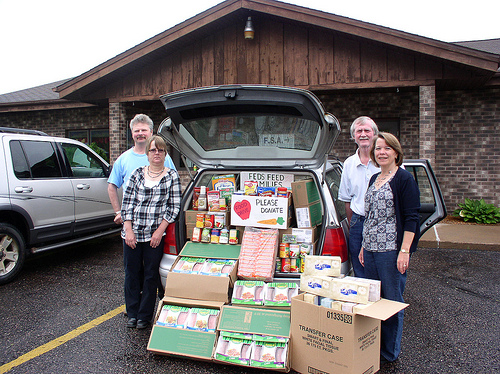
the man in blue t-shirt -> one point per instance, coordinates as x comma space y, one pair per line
141, 127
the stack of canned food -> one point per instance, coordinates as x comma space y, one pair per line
291, 257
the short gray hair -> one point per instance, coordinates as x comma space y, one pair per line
141, 118
361, 121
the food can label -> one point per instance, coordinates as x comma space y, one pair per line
284, 250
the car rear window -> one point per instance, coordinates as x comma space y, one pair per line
228, 132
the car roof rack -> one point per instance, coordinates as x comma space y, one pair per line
22, 131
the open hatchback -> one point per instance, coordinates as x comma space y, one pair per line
274, 136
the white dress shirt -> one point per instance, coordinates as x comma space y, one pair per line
354, 182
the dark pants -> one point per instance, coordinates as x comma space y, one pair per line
355, 240
383, 266
142, 266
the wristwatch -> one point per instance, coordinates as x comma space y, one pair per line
405, 250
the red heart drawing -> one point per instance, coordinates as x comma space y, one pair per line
242, 209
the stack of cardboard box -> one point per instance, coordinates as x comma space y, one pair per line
305, 336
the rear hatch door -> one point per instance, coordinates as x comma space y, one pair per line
249, 126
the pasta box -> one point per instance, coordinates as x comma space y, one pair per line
203, 283
186, 328
254, 338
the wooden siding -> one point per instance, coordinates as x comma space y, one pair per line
282, 53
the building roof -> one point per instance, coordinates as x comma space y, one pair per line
38, 93
487, 45
37, 98
143, 53
483, 54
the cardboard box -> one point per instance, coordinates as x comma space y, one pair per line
203, 287
322, 265
191, 217
304, 193
260, 211
309, 216
350, 289
183, 342
256, 321
331, 341
304, 234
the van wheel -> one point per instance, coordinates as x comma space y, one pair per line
12, 252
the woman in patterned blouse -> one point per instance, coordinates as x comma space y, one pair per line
151, 201
390, 232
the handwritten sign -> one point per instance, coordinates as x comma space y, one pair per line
267, 179
277, 140
259, 211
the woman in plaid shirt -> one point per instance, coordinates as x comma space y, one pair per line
151, 201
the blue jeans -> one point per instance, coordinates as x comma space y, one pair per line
142, 273
383, 266
355, 240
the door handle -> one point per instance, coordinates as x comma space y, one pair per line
83, 186
23, 189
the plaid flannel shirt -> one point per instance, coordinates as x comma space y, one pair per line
147, 207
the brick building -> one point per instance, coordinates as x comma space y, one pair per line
441, 99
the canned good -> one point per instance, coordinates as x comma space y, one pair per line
294, 265
224, 236
200, 220
196, 237
284, 250
233, 236
305, 249
209, 221
214, 236
205, 235
302, 264
294, 250
219, 220
285, 265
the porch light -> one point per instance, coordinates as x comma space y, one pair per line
249, 31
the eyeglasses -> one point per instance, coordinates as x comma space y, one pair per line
156, 150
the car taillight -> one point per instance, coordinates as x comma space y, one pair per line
169, 245
335, 244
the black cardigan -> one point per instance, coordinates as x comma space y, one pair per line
406, 205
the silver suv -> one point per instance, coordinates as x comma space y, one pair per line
53, 192
245, 130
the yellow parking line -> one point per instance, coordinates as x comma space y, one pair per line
61, 340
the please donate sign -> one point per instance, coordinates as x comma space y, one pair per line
267, 179
259, 211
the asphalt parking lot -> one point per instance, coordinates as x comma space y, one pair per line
64, 313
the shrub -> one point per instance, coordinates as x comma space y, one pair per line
478, 211
101, 152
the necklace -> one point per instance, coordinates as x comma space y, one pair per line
155, 174
381, 179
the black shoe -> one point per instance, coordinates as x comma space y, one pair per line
132, 323
142, 324
383, 360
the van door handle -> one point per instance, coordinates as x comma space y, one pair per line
83, 186
23, 189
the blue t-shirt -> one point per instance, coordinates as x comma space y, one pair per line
128, 161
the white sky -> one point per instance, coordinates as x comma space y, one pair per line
43, 41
